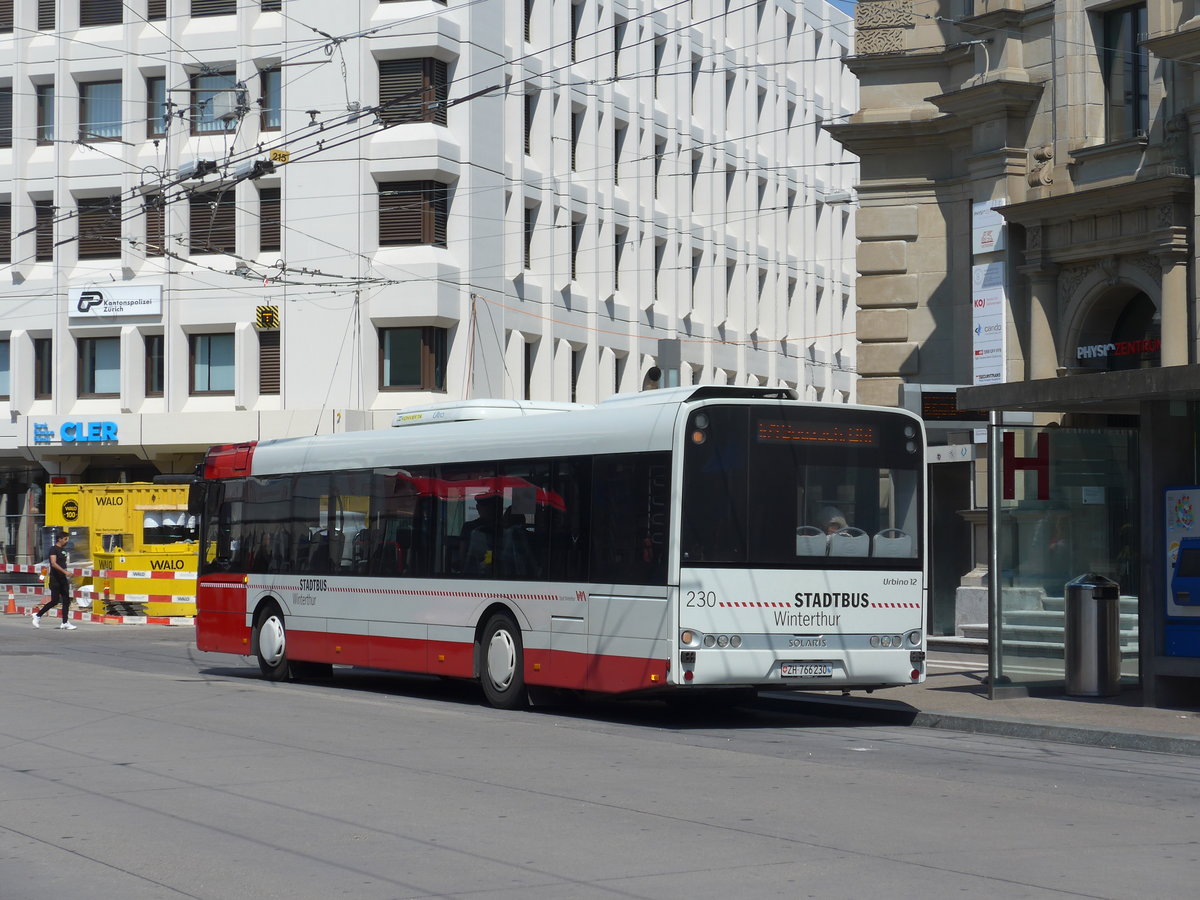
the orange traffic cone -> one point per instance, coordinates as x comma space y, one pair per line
11, 609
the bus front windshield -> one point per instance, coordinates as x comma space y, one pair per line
799, 487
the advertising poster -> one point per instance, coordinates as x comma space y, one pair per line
987, 226
1183, 533
988, 303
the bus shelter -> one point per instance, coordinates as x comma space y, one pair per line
1105, 485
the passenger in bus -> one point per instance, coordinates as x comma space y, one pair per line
832, 520
479, 534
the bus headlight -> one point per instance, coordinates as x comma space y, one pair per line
710, 640
687, 638
723, 641
735, 640
914, 638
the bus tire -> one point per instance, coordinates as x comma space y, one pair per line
270, 644
502, 663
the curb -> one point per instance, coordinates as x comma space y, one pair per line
100, 619
895, 713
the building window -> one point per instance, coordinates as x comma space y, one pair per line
576, 135
6, 117
156, 225
213, 8
156, 106
412, 359
576, 244
576, 27
212, 223
100, 111
43, 368
528, 20
154, 364
413, 90
618, 146
100, 367
211, 363
272, 5
215, 102
100, 12
530, 224
413, 212
45, 15
6, 16
156, 10
43, 227
45, 113
621, 236
272, 99
268, 362
269, 217
530, 356
1126, 71
530, 109
5, 232
99, 227
5, 368
619, 28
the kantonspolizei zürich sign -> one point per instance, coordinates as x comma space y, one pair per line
107, 301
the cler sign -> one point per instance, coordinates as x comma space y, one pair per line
76, 433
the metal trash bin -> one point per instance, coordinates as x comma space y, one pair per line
1092, 636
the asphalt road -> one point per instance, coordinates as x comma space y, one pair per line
133, 766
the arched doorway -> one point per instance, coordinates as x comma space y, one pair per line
1122, 330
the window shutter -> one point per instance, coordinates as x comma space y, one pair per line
6, 117
6, 16
43, 211
99, 227
5, 232
412, 212
212, 224
100, 12
268, 362
407, 86
156, 225
400, 88
45, 15
214, 7
156, 9
269, 210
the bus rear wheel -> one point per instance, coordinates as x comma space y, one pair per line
502, 664
270, 644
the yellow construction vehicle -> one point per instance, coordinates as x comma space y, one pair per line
142, 533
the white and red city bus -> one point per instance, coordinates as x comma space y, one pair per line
665, 542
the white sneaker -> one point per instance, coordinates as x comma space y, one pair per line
37, 621
66, 625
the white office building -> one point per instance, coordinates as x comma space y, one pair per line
232, 220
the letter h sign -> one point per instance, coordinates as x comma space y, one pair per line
1039, 464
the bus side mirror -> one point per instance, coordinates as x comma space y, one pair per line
197, 494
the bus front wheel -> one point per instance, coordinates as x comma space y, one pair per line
270, 645
502, 671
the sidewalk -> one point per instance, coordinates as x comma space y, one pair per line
954, 697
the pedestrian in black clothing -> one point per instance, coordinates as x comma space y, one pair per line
60, 583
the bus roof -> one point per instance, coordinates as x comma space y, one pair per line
624, 423
469, 410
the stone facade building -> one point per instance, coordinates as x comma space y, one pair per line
1028, 236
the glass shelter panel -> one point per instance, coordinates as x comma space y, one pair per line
1083, 520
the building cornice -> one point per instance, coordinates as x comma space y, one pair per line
1180, 45
859, 137
1150, 192
988, 101
902, 59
